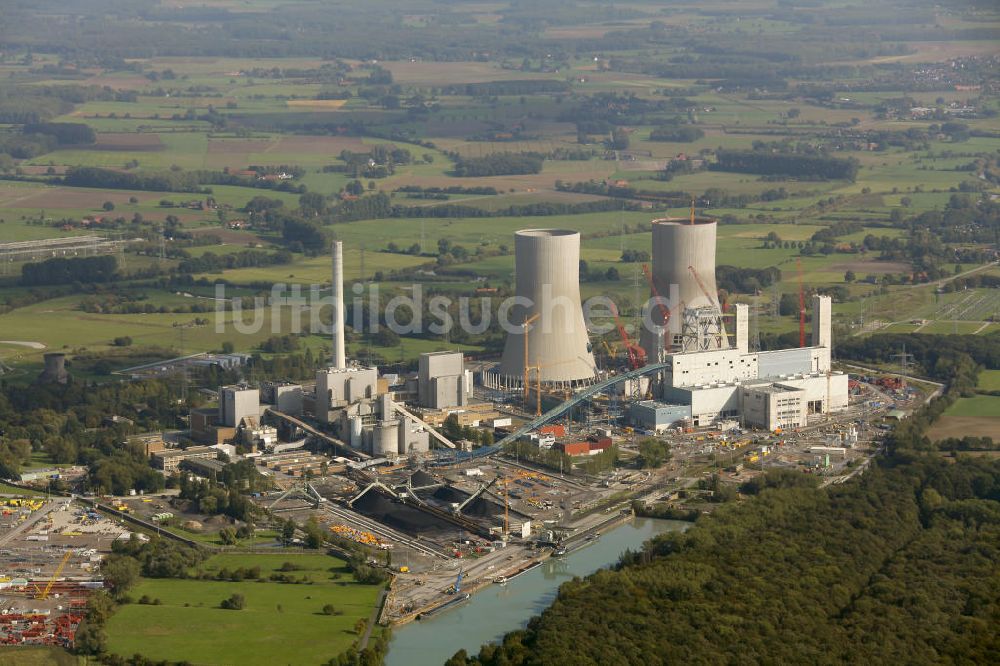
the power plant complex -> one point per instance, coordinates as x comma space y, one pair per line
691, 364
702, 370
536, 446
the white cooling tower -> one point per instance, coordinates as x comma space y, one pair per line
548, 275
679, 246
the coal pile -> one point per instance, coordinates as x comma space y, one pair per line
406, 519
421, 479
482, 508
446, 494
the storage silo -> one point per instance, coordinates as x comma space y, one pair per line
385, 437
680, 245
547, 264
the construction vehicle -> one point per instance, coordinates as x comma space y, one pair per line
456, 588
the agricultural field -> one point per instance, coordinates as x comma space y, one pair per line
989, 380
978, 416
279, 618
234, 120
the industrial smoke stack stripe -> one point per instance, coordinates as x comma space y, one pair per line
339, 351
548, 274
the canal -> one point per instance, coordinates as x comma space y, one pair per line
496, 610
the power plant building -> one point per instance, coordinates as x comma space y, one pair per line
340, 384
547, 282
443, 381
336, 387
766, 389
285, 396
236, 403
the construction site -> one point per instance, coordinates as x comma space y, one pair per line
50, 554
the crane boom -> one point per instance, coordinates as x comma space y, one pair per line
527, 322
664, 310
636, 355
704, 289
48, 587
802, 305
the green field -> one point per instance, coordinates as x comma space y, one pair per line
980, 405
281, 623
989, 380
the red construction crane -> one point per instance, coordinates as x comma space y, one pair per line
664, 310
636, 354
802, 305
704, 289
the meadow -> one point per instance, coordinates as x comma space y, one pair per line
280, 619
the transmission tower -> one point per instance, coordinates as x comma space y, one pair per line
904, 360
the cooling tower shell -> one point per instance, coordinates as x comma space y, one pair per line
678, 244
547, 265
55, 369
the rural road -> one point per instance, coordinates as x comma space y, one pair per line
23, 343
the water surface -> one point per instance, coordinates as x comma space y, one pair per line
496, 610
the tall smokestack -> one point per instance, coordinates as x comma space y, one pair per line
339, 351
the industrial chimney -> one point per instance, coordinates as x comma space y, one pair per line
339, 351
683, 256
548, 275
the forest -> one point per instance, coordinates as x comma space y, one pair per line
897, 568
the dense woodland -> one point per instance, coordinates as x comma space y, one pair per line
897, 568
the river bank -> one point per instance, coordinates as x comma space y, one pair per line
496, 609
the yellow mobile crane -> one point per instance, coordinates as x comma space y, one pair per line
44, 594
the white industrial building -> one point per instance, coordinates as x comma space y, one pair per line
377, 426
237, 403
339, 387
655, 416
772, 389
442, 380
285, 396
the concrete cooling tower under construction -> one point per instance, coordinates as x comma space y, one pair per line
547, 265
684, 274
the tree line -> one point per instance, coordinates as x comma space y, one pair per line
785, 164
67, 270
499, 164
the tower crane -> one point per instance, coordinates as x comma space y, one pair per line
636, 354
664, 310
527, 322
802, 305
